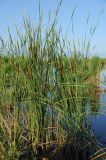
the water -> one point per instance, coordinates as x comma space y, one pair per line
98, 121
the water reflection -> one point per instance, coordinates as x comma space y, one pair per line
98, 120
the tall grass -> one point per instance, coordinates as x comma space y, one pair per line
44, 97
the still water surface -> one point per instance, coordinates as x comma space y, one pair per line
98, 121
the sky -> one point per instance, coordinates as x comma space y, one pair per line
13, 11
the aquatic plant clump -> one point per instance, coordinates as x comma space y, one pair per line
44, 97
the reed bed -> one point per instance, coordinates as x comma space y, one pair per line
44, 97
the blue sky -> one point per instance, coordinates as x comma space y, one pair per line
12, 12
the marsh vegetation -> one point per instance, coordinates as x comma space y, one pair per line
46, 97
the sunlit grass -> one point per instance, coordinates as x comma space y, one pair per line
44, 96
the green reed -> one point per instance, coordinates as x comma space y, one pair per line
44, 96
